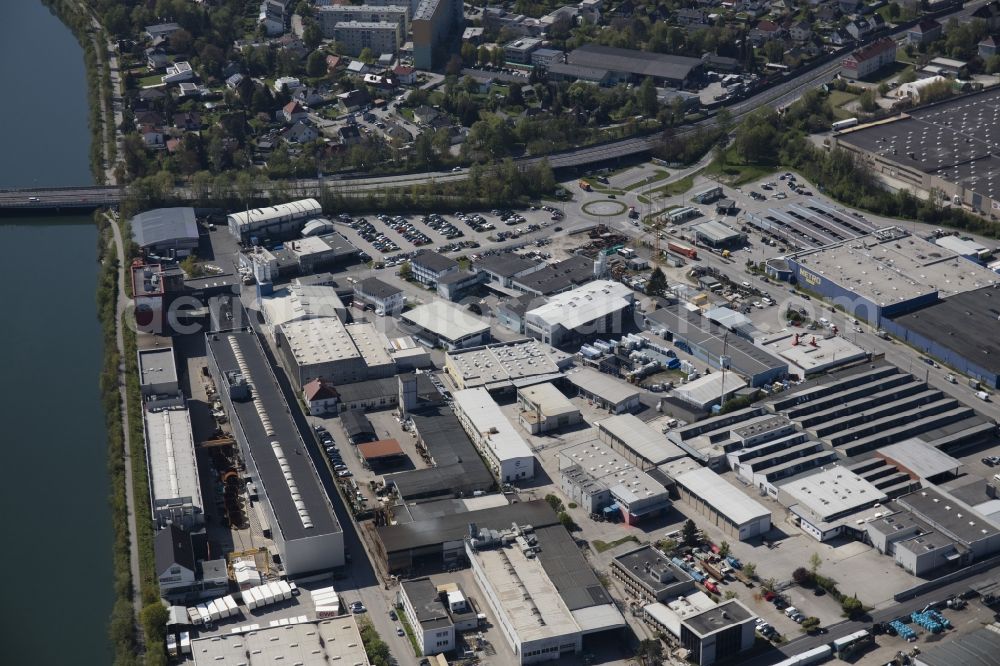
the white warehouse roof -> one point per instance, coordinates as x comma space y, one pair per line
602, 385
639, 437
584, 304
252, 219
549, 399
172, 467
319, 341
479, 407
725, 498
831, 492
446, 320
708, 389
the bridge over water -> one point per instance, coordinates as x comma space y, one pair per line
48, 199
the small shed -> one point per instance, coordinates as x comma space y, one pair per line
381, 452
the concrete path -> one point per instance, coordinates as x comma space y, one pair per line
123, 301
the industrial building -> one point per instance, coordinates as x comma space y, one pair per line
720, 633
443, 324
710, 343
384, 298
357, 427
438, 540
165, 232
457, 285
813, 352
597, 307
575, 271
503, 269
431, 624
865, 408
886, 274
298, 303
825, 502
298, 257
295, 505
374, 394
328, 349
273, 221
959, 331
504, 365
716, 234
709, 390
979, 646
631, 66
491, 432
648, 575
641, 445
428, 267
725, 506
456, 469
157, 373
174, 488
605, 391
543, 408
603, 482
542, 591
946, 148
305, 642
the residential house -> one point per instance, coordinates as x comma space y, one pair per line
188, 89
990, 14
425, 115
764, 32
189, 121
925, 32
156, 59
174, 559
178, 72
148, 119
354, 100
840, 37
827, 12
691, 17
848, 6
308, 96
289, 83
292, 112
161, 30
406, 75
863, 27
349, 135
333, 62
301, 132
396, 132
987, 48
234, 81
153, 138
801, 31
173, 145
865, 61
151, 95
320, 397
358, 67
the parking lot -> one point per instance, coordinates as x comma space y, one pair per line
394, 239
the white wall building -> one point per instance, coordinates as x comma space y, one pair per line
384, 297
431, 624
507, 453
543, 408
279, 219
596, 307
448, 325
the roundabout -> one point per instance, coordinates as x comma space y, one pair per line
604, 208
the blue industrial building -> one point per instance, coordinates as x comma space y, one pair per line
884, 274
961, 331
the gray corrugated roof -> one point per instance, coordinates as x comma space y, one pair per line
424, 533
977, 648
642, 63
164, 225
568, 569
433, 261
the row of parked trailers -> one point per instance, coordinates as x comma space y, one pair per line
178, 644
214, 610
267, 594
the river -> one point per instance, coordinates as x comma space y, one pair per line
57, 556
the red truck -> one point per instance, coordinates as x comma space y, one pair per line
679, 248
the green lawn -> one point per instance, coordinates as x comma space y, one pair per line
675, 188
734, 174
151, 80
601, 546
659, 175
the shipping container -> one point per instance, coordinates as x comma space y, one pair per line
185, 642
680, 248
286, 589
231, 604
